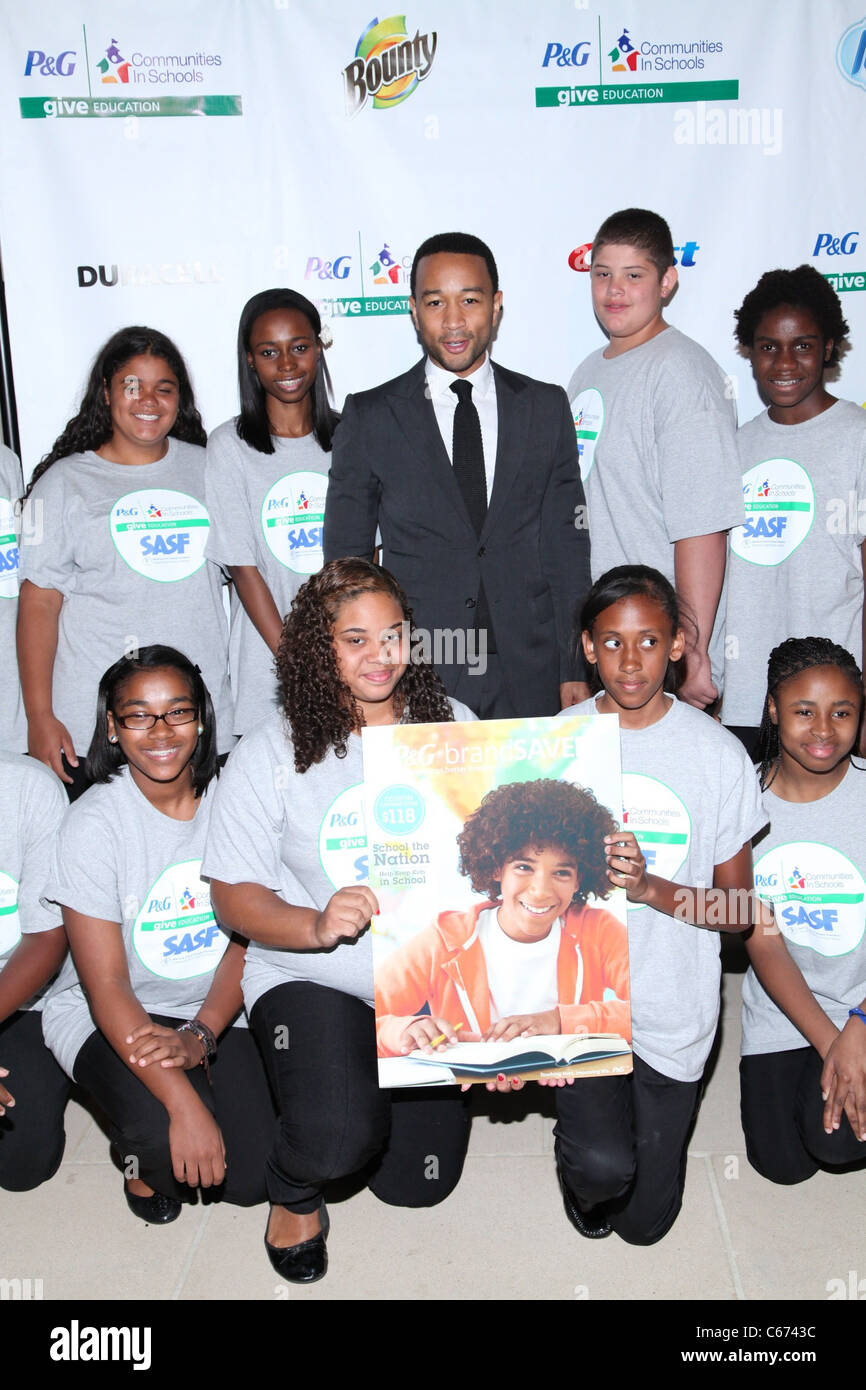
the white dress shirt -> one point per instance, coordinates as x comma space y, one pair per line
483, 398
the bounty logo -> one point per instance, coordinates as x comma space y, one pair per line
388, 65
113, 68
623, 56
851, 54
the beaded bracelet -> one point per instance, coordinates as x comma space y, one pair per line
205, 1037
858, 1012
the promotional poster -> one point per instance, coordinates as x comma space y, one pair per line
497, 926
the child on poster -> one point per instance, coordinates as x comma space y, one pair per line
532, 958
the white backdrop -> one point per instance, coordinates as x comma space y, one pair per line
525, 124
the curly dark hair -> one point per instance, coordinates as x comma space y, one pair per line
319, 707
803, 288
252, 424
790, 659
91, 427
537, 815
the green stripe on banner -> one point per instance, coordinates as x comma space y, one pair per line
816, 898
41, 108
587, 434
659, 837
351, 842
365, 307
5, 911
778, 506
160, 524
851, 280
294, 520
7, 540
637, 93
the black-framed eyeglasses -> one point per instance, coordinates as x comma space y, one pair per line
172, 717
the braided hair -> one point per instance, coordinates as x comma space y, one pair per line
789, 659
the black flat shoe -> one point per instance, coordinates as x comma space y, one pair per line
306, 1262
592, 1224
156, 1210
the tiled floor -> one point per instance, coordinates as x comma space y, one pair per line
501, 1235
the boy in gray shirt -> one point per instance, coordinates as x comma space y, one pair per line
657, 438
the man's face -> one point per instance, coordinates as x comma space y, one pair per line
455, 310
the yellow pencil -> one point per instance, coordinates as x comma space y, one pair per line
442, 1036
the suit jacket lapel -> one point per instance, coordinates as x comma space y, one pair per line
513, 412
414, 412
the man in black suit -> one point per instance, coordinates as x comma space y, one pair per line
475, 493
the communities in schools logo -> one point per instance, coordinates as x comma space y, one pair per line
851, 53
832, 249
388, 65
127, 80
379, 273
637, 69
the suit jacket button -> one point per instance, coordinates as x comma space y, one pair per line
482, 550
470, 603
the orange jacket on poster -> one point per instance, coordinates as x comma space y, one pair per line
444, 966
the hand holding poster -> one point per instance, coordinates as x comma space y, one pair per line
500, 945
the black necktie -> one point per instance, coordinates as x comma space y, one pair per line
468, 454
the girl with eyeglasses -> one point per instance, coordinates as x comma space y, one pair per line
154, 982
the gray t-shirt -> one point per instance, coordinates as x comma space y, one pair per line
811, 868
794, 568
656, 431
691, 799
119, 859
124, 545
266, 510
13, 727
34, 804
301, 835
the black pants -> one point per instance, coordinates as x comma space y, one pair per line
783, 1117
319, 1047
32, 1137
237, 1097
623, 1142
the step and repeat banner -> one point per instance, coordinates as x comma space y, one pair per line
162, 163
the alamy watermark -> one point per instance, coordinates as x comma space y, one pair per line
701, 124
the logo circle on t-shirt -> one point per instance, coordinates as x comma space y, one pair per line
293, 515
817, 896
10, 923
780, 508
175, 935
343, 839
588, 411
160, 534
8, 550
659, 821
